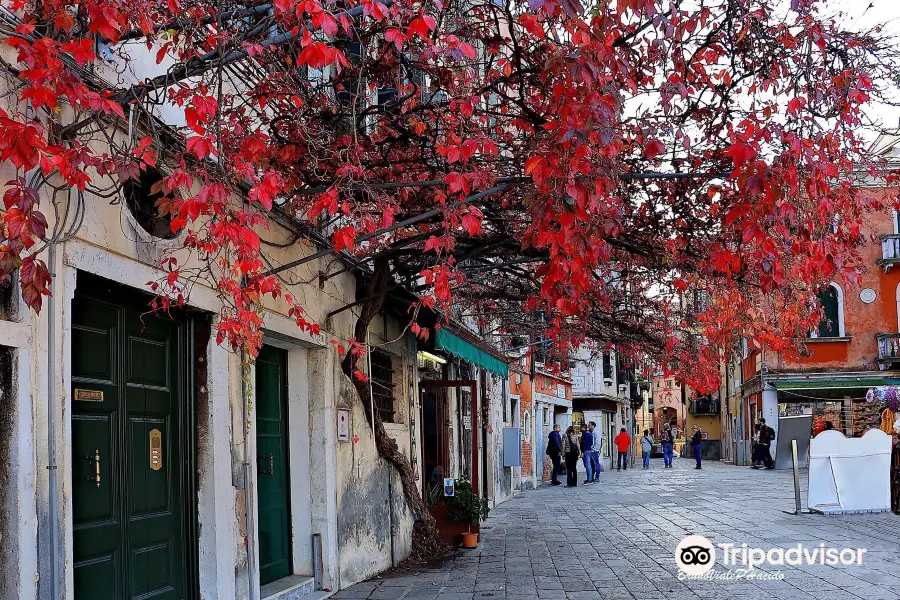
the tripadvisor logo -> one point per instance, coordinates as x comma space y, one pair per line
695, 555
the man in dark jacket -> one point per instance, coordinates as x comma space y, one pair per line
697, 444
766, 437
587, 444
554, 449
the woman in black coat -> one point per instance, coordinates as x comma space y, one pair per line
571, 453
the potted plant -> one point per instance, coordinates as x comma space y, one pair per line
467, 507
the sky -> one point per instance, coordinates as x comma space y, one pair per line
865, 14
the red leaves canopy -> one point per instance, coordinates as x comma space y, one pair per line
558, 111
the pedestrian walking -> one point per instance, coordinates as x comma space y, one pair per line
696, 442
554, 450
570, 454
646, 448
595, 450
668, 444
766, 437
756, 449
622, 441
587, 443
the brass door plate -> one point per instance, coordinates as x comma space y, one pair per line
155, 449
89, 395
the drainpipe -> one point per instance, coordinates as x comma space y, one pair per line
486, 417
51, 427
252, 566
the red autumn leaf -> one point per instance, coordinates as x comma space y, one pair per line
653, 149
420, 26
200, 146
532, 25
344, 237
472, 224
468, 50
34, 278
740, 153
317, 55
82, 50
457, 183
533, 164
396, 37
267, 189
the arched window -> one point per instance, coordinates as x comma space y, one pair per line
526, 426
832, 323
142, 197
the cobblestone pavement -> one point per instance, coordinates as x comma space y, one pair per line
616, 540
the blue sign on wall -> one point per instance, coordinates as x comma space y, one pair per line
512, 447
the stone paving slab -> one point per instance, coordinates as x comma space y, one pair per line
616, 541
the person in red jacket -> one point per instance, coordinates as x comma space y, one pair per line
623, 441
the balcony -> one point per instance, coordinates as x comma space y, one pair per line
888, 348
704, 406
890, 250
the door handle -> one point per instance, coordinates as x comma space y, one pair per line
96, 459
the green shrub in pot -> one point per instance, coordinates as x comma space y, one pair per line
465, 505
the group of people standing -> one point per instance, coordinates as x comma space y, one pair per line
763, 436
569, 446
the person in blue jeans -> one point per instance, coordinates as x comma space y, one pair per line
696, 441
668, 444
646, 448
587, 443
595, 450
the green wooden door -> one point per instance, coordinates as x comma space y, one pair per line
271, 465
128, 475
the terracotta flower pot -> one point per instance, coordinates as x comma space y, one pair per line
470, 540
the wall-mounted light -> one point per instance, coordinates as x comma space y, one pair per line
432, 357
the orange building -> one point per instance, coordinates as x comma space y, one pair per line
520, 388
668, 405
855, 348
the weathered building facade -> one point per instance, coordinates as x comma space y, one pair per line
598, 395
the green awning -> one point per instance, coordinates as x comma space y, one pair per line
820, 384
455, 345
837, 388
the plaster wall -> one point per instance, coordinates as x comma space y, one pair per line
373, 521
496, 395
587, 373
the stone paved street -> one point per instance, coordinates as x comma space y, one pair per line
616, 540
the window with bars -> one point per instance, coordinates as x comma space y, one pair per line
383, 385
607, 365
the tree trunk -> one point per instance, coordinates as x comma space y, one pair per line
426, 542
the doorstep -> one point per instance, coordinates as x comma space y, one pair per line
291, 588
